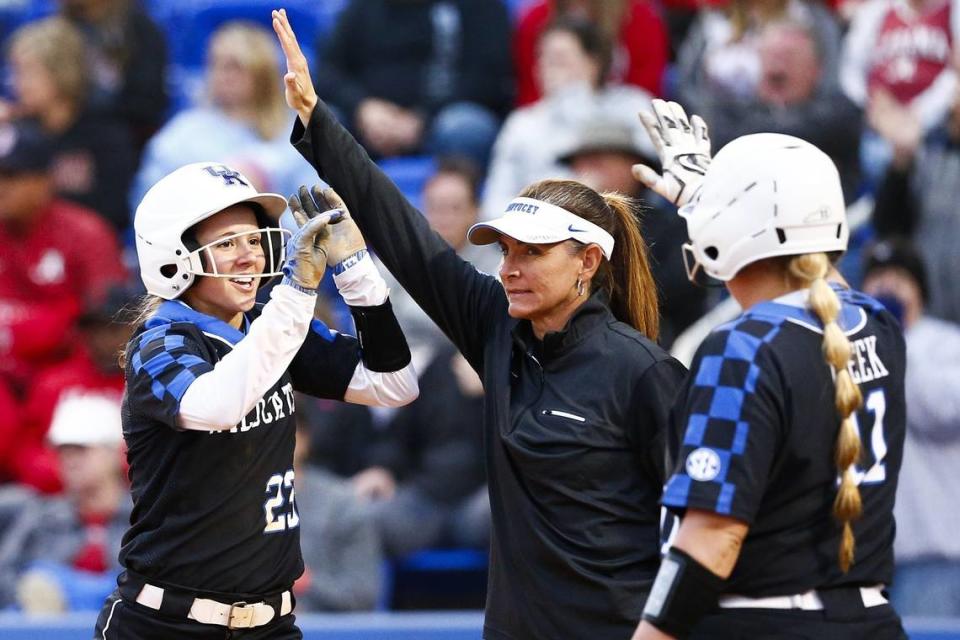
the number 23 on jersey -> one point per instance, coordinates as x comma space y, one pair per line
280, 509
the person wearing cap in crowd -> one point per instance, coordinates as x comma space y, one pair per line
577, 391
927, 575
60, 553
55, 258
602, 158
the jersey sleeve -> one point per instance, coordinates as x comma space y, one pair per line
325, 363
731, 419
162, 363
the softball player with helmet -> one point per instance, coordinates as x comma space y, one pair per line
789, 431
209, 416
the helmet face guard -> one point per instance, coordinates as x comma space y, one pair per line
690, 262
202, 262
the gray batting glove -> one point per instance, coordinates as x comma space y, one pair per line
306, 253
345, 238
684, 149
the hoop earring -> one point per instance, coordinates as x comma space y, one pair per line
579, 286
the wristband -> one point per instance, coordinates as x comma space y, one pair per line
684, 592
290, 282
349, 261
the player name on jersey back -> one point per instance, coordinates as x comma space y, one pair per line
865, 365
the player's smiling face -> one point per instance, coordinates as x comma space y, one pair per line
235, 250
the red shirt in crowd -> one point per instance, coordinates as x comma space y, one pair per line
640, 56
68, 258
29, 459
50, 270
912, 48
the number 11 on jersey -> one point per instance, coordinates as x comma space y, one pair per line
877, 405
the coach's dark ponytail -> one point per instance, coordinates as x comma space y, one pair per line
847, 507
633, 291
626, 278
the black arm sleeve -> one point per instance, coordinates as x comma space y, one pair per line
458, 298
383, 346
895, 211
324, 365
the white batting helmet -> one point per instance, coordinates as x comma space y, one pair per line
184, 198
765, 195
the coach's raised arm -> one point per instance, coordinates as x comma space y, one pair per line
576, 390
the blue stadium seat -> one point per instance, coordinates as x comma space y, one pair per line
436, 578
445, 560
410, 174
41, 9
15, 13
516, 7
188, 25
11, 17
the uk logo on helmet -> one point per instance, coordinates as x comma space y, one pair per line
230, 177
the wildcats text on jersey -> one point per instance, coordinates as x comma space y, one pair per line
268, 409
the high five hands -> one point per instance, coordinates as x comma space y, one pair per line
307, 250
299, 91
684, 148
344, 238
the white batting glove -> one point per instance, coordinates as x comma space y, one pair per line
684, 149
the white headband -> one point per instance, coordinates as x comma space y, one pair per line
537, 222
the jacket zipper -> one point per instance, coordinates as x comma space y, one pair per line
516, 421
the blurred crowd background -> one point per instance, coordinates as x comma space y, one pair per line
462, 103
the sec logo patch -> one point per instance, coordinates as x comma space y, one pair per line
703, 464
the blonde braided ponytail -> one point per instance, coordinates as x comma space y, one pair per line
812, 269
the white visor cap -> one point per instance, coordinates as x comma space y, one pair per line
536, 222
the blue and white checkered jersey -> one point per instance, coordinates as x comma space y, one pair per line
754, 434
215, 510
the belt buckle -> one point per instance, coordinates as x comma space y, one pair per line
240, 616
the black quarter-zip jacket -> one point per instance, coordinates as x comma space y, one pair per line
574, 424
